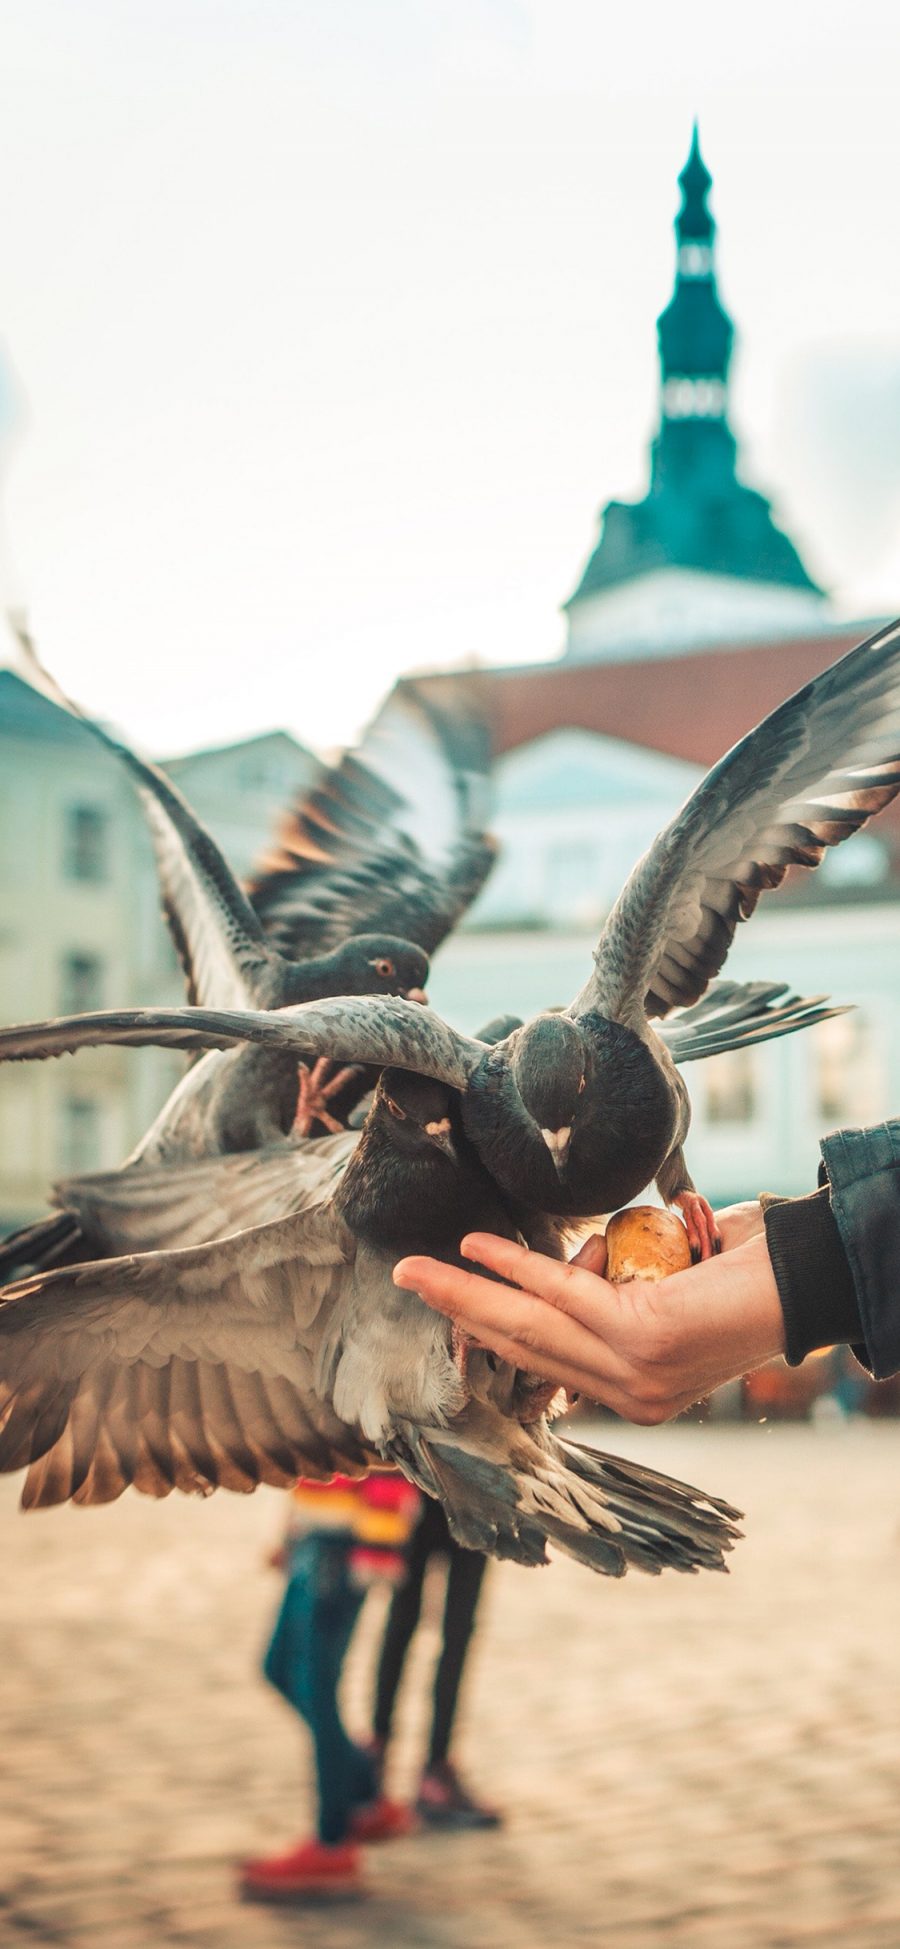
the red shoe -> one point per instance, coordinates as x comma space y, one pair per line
383, 1820
306, 1873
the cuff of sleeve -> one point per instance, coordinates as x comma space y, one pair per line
814, 1281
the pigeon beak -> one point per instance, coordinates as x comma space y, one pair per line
439, 1135
417, 995
557, 1142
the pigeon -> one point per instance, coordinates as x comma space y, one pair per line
285, 1347
578, 1110
347, 881
356, 851
806, 778
391, 838
228, 960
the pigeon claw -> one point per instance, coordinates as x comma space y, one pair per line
704, 1237
317, 1086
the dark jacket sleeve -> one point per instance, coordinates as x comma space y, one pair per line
815, 1284
836, 1254
863, 1172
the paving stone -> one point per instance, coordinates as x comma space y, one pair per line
707, 1763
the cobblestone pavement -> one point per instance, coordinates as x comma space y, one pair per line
712, 1762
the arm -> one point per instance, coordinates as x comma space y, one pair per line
803, 1273
783, 1284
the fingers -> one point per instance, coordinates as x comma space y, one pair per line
535, 1337
575, 1289
517, 1325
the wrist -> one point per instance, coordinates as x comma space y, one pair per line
814, 1281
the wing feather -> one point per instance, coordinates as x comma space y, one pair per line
377, 1030
154, 1208
390, 839
190, 1369
805, 779
228, 962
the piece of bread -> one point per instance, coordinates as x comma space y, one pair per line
645, 1243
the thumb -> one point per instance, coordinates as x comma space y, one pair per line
591, 1256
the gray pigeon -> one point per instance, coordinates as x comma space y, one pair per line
349, 878
286, 1348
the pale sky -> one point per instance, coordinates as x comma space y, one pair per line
332, 323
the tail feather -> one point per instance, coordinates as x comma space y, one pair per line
734, 1015
508, 1491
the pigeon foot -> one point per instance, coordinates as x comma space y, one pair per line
316, 1088
704, 1237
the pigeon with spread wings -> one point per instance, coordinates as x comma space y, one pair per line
229, 961
285, 1347
577, 1111
391, 838
334, 934
357, 850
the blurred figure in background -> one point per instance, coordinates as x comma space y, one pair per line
342, 1536
442, 1801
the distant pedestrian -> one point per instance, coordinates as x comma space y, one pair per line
342, 1536
442, 1799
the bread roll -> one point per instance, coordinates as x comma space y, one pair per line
645, 1243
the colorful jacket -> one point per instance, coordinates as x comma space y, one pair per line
373, 1513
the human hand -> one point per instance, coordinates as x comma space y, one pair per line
646, 1350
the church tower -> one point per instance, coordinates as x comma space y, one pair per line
700, 558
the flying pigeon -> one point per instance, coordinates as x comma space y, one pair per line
341, 901
577, 1111
285, 1347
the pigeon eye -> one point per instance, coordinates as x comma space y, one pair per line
581, 1087
395, 1109
384, 968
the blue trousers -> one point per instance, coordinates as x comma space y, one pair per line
303, 1661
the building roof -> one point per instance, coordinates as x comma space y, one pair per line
654, 702
27, 713
693, 707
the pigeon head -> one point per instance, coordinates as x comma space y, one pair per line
380, 964
414, 1111
549, 1060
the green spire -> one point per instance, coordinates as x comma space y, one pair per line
695, 333
694, 222
697, 515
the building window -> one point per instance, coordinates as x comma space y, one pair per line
79, 1135
730, 1087
86, 843
81, 983
848, 1085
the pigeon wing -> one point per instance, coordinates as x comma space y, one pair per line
191, 1369
733, 1015
154, 1208
804, 779
227, 961
377, 1030
390, 839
